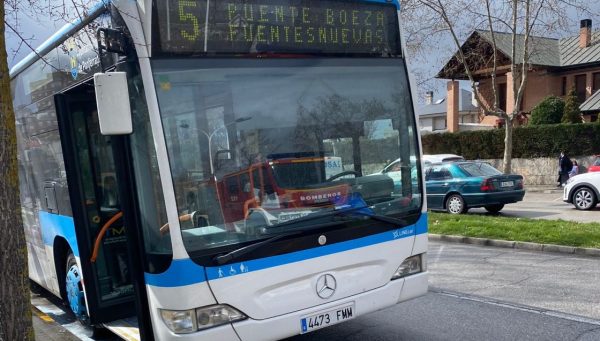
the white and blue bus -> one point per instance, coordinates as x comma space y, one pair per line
211, 169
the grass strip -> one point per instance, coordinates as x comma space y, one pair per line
558, 232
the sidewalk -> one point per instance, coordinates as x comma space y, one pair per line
46, 329
543, 189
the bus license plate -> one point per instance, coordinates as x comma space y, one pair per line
327, 318
507, 183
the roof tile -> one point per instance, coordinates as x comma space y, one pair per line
592, 103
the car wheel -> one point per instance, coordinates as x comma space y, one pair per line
584, 199
494, 208
455, 204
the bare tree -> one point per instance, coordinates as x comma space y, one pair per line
521, 20
15, 306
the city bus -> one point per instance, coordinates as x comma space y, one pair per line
133, 121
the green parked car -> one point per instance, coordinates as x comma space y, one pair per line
458, 186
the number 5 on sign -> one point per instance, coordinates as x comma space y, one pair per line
189, 18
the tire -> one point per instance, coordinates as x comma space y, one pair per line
74, 289
455, 204
494, 208
584, 199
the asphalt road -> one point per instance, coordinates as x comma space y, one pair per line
561, 283
441, 316
539, 205
487, 293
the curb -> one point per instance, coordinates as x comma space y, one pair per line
550, 190
581, 251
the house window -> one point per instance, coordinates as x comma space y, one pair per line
596, 82
594, 118
580, 81
563, 91
502, 96
439, 123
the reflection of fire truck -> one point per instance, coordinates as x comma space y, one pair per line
280, 183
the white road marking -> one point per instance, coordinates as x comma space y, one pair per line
438, 254
541, 311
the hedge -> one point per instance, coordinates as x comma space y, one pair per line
528, 142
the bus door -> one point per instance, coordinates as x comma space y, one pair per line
97, 207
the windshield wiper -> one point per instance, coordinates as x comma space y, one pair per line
222, 259
237, 253
378, 217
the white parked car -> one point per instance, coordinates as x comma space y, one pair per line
583, 190
438, 158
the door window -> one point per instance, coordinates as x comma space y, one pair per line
102, 202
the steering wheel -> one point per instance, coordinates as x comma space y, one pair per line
339, 175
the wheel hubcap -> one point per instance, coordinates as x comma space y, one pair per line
455, 205
74, 292
583, 199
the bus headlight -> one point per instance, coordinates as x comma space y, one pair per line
179, 321
189, 321
411, 265
216, 315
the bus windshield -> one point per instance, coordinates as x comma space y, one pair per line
253, 143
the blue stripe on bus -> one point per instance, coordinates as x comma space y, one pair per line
421, 225
181, 272
269, 262
53, 225
186, 272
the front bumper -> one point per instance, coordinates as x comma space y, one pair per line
283, 326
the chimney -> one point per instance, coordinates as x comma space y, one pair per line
429, 97
452, 108
585, 33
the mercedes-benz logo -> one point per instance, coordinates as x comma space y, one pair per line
326, 286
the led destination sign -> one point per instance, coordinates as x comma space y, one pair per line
278, 26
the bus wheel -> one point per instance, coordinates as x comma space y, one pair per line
74, 289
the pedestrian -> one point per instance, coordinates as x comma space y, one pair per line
564, 167
575, 170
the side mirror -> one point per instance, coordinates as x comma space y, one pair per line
112, 100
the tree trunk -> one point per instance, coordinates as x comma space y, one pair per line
15, 303
508, 143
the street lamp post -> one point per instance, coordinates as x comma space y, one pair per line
210, 136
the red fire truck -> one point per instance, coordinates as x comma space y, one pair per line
280, 185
